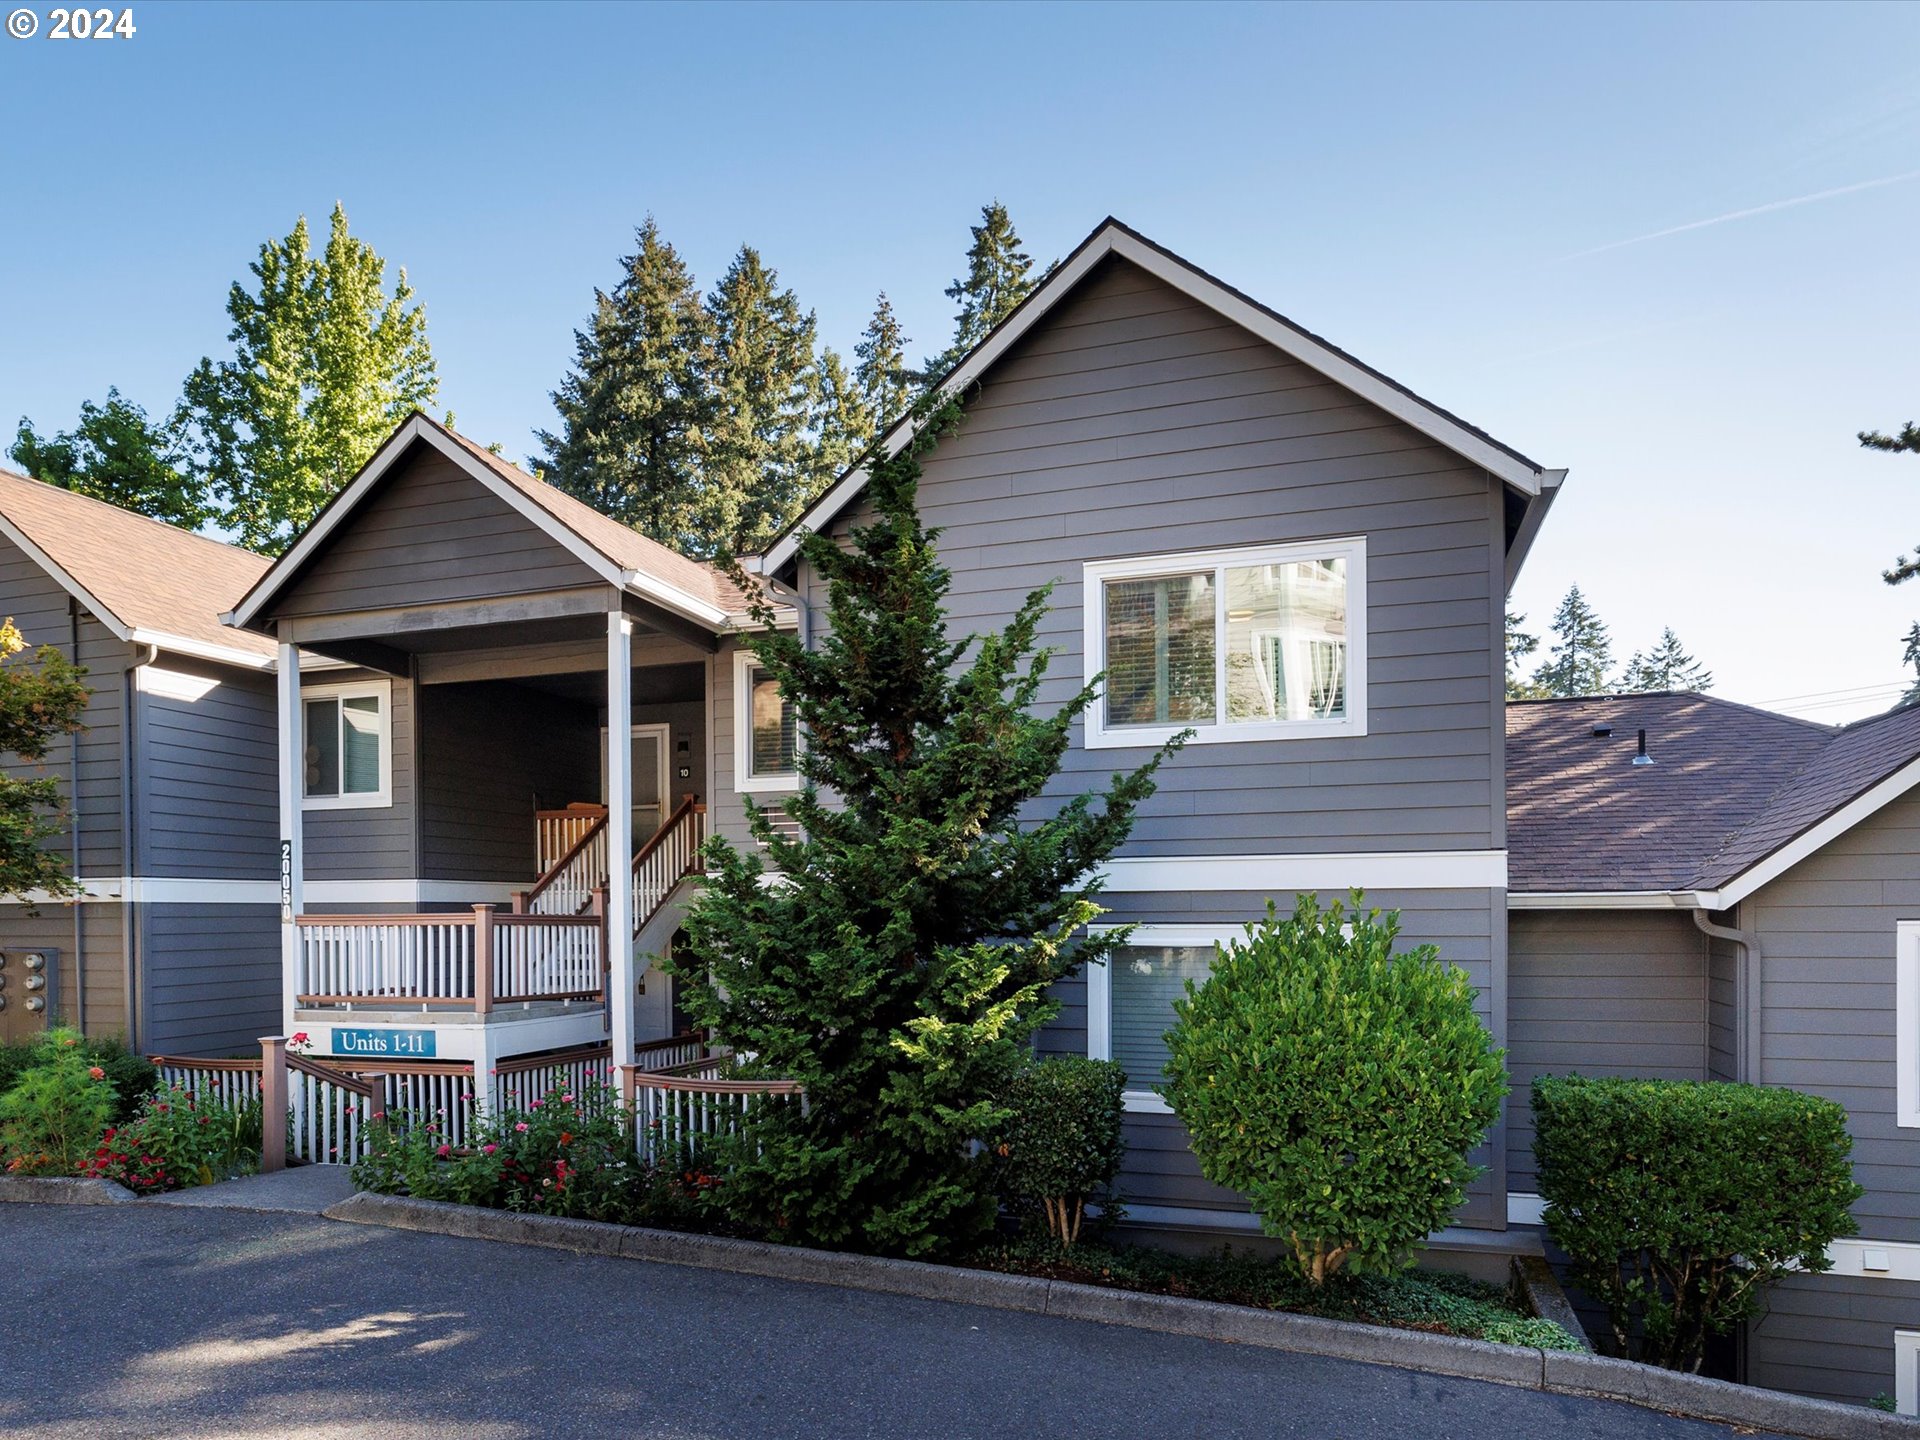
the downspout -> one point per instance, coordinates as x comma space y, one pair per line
129, 908
73, 826
1749, 1059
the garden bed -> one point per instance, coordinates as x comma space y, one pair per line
1439, 1302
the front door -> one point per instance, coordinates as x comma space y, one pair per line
650, 747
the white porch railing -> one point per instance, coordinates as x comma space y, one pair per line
677, 1112
225, 1082
461, 960
557, 832
567, 880
668, 858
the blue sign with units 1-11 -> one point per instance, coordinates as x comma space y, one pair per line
396, 1044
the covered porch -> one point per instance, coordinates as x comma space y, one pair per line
496, 713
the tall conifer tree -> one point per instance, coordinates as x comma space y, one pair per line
999, 276
1582, 652
844, 426
1667, 666
760, 464
633, 412
325, 363
886, 386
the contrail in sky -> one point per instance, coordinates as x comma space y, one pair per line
1766, 209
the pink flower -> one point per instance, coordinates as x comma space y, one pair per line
521, 1127
566, 1099
535, 1106
488, 1149
444, 1151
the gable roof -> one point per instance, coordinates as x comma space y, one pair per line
1112, 238
1734, 797
618, 554
147, 581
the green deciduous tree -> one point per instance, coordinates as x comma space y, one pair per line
1581, 654
901, 964
118, 455
760, 465
42, 697
634, 409
1337, 1084
325, 363
886, 385
999, 276
1666, 666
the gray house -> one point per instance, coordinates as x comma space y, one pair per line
176, 942
1744, 907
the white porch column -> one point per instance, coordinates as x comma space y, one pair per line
620, 978
292, 848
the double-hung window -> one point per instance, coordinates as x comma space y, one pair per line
1251, 644
766, 737
348, 731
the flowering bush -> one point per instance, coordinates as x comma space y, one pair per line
177, 1141
567, 1154
54, 1113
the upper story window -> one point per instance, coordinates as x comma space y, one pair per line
1252, 644
348, 731
766, 736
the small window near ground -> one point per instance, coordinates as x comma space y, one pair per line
1130, 1002
1262, 643
348, 738
766, 734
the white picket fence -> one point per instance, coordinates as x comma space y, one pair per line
677, 1112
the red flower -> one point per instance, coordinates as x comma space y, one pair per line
94, 1072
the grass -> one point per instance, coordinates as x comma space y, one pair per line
1438, 1301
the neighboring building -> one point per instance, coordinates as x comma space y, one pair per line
170, 785
1746, 906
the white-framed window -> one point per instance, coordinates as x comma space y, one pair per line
1260, 643
1906, 1372
347, 731
766, 737
1130, 1001
1906, 1023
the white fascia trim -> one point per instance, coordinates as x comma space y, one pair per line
671, 597
202, 650
202, 890
106, 617
1112, 239
1809, 841
1608, 900
1289, 874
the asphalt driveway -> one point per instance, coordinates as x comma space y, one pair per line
172, 1321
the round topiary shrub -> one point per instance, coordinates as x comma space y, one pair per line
1061, 1145
1335, 1083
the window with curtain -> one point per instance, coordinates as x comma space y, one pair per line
773, 734
1246, 644
348, 751
1146, 980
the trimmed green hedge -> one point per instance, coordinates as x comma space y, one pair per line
1061, 1144
1680, 1201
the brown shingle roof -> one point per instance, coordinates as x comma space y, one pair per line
1582, 817
149, 575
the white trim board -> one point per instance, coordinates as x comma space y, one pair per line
1906, 1372
1604, 900
1906, 1024
1290, 874
1113, 238
209, 890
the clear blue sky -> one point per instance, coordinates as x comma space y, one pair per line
1445, 191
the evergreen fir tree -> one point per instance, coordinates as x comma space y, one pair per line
844, 427
1667, 666
759, 467
1582, 652
901, 967
118, 455
325, 364
886, 386
634, 408
999, 276
1520, 645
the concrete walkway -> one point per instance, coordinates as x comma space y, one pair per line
303, 1190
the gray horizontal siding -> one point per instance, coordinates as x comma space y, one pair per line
1827, 931
53, 930
432, 533
1136, 422
1831, 1336
1160, 1168
373, 842
211, 975
1723, 1019
1595, 992
38, 605
208, 799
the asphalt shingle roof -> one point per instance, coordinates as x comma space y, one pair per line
150, 575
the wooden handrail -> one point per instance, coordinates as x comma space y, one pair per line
512, 1065
687, 806
193, 1062
664, 1080
541, 885
315, 1071
573, 811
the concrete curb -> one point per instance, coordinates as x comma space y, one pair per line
54, 1190
1563, 1373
